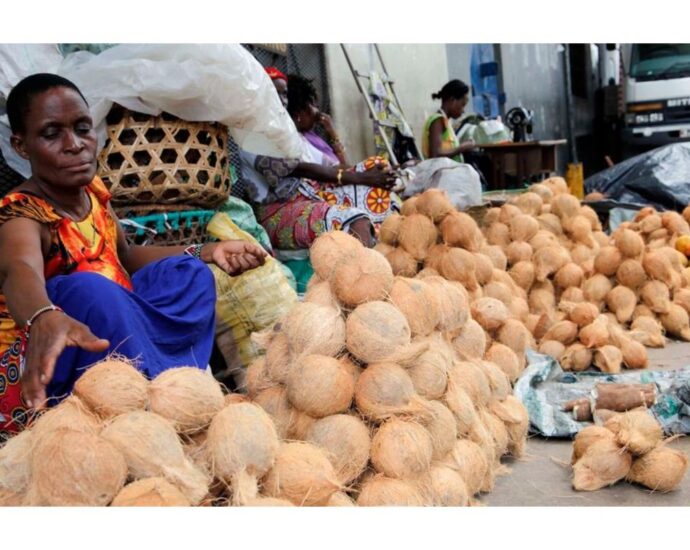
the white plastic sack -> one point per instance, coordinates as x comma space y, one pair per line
460, 181
195, 82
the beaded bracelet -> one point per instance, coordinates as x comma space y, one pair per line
36, 315
194, 250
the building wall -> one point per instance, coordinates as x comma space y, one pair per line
417, 69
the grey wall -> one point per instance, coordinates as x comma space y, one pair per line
458, 64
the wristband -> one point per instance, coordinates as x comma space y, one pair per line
339, 179
36, 315
194, 250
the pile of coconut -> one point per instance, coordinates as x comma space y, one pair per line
542, 265
122, 440
372, 388
628, 446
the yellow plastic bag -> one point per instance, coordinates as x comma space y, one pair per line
247, 303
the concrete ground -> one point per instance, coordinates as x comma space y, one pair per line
543, 476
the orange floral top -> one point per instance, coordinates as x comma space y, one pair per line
70, 250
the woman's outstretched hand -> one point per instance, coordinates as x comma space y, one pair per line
234, 257
50, 334
378, 177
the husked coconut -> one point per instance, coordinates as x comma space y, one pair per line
637, 431
419, 302
152, 491
435, 204
656, 296
602, 464
384, 491
401, 449
299, 325
402, 263
471, 341
365, 277
447, 487
662, 469
608, 260
608, 359
459, 229
490, 313
622, 301
388, 232
442, 428
330, 250
376, 331
576, 357
631, 274
586, 437
417, 233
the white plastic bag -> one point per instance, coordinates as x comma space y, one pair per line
459, 180
195, 82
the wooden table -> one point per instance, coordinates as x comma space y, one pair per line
522, 160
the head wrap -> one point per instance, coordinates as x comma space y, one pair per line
275, 74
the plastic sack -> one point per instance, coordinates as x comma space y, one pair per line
247, 303
459, 180
484, 131
195, 82
659, 178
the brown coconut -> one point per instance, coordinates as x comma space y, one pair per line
257, 379
576, 357
586, 437
409, 206
497, 256
656, 296
453, 303
402, 263
549, 260
279, 357
416, 235
276, 403
648, 331
484, 268
631, 274
523, 227
490, 313
515, 335
621, 300
662, 469
508, 212
569, 275
152, 449
321, 294
388, 232
74, 468
152, 491
676, 322
460, 229
429, 372
552, 348
564, 332
376, 331
608, 260
383, 491
498, 234
186, 396
637, 431
302, 474
445, 487
330, 250
629, 243
112, 387
401, 449
460, 404
471, 378
608, 359
456, 264
523, 273
15, 462
299, 327
70, 413
382, 248
596, 288
565, 206
320, 386
658, 267
580, 230
514, 414
471, 341
602, 464
435, 204
419, 303
442, 428
348, 444
469, 461
365, 277
583, 314
506, 359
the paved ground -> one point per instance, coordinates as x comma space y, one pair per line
543, 476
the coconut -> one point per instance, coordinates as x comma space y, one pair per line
676, 322
498, 380
471, 341
622, 301
418, 302
498, 234
442, 428
365, 277
320, 386
456, 264
508, 212
278, 358
469, 461
543, 190
498, 432
70, 413
435, 204
642, 310
497, 256
302, 474
112, 387
460, 404
586, 437
471, 378
330, 250
565, 206
506, 359
548, 260
608, 260
321, 294
402, 263
460, 229
658, 267
564, 332
631, 274
602, 464
651, 223
499, 291
523, 227
152, 491
576, 357
629, 243
446, 487
376, 331
429, 372
648, 332
256, 378
674, 223
569, 275
580, 229
453, 302
608, 359
276, 403
15, 462
75, 468
186, 396
382, 248
299, 327
552, 348
515, 335
583, 314
388, 232
514, 414
481, 435
550, 223
656, 296
543, 239
634, 353
596, 288
484, 268
523, 274
490, 313
340, 498
417, 233
519, 309
581, 253
401, 449
409, 206
636, 431
556, 184
662, 469
384, 491
152, 449
346, 439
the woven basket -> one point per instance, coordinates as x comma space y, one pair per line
169, 228
163, 160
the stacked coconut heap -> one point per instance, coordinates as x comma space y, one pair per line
543, 266
628, 446
366, 374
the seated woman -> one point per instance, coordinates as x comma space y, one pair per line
295, 209
438, 136
73, 290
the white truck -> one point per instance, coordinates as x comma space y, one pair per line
656, 92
